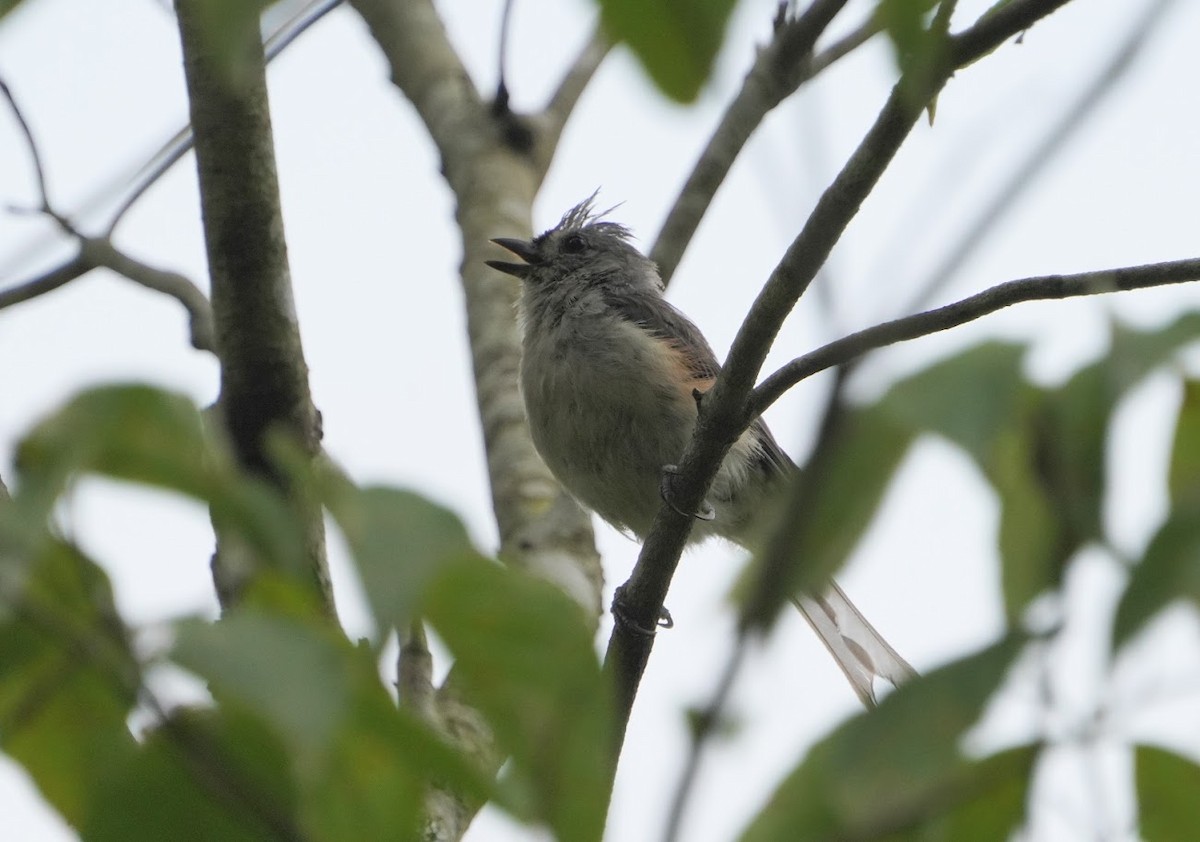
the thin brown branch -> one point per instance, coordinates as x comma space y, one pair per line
778, 71
414, 671
48, 281
726, 410
96, 253
182, 141
101, 252
1041, 288
39, 170
1042, 154
562, 103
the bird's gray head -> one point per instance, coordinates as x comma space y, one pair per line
583, 251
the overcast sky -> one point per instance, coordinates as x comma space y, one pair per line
374, 257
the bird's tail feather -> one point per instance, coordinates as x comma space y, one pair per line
858, 649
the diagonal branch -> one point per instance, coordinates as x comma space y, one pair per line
94, 253
778, 71
1041, 288
726, 410
48, 281
101, 252
1044, 153
562, 103
183, 140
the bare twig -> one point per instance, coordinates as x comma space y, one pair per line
48, 281
414, 671
39, 169
777, 72
183, 140
562, 103
981, 304
94, 253
1042, 154
709, 721
102, 252
500, 103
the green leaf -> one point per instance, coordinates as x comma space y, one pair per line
828, 511
293, 675
145, 435
1034, 545
970, 398
676, 41
1184, 476
203, 774
1135, 353
361, 766
919, 49
991, 813
524, 655
134, 433
68, 676
904, 22
1168, 788
399, 540
1170, 569
7, 6
899, 767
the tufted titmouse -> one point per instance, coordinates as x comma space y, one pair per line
608, 372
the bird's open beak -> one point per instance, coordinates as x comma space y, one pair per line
522, 249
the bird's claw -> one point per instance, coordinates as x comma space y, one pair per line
666, 490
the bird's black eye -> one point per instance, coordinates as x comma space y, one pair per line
574, 244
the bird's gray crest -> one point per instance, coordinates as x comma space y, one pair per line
583, 215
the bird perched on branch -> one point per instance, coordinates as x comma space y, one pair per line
609, 371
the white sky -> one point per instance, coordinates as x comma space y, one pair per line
374, 255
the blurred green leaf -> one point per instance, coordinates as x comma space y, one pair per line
146, 435
970, 398
991, 813
1033, 542
524, 655
1135, 353
1168, 789
134, 433
827, 512
1184, 476
7, 6
203, 774
291, 674
399, 540
362, 766
918, 49
1169, 570
1071, 427
677, 41
68, 676
1170, 567
896, 768
858, 471
227, 27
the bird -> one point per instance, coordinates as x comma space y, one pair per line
609, 375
